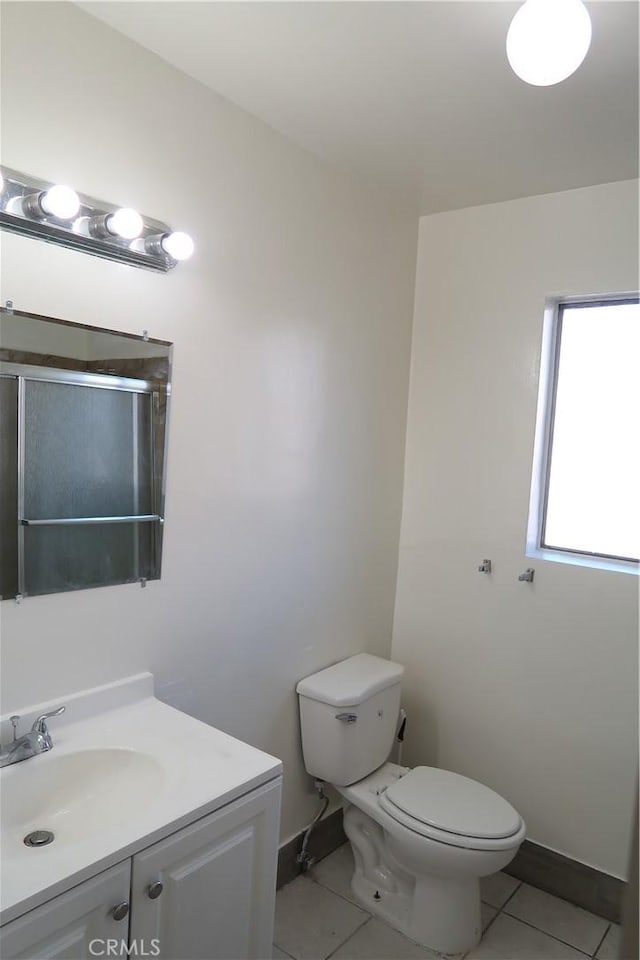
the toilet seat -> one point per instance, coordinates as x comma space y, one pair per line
452, 809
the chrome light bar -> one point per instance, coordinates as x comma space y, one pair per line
57, 214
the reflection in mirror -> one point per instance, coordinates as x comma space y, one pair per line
83, 428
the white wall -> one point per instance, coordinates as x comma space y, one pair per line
291, 327
531, 689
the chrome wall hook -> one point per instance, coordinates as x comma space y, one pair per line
527, 576
485, 567
15, 720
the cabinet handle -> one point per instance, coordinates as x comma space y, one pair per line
120, 910
154, 890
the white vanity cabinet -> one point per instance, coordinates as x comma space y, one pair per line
67, 927
206, 892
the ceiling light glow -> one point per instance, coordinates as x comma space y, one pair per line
548, 40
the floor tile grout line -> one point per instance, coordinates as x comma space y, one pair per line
367, 916
499, 911
555, 897
604, 937
511, 896
354, 903
371, 916
385, 923
283, 951
539, 929
374, 916
529, 924
533, 926
352, 934
491, 922
547, 934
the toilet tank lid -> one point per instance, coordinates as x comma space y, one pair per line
351, 681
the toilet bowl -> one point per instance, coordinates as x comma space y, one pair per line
421, 837
420, 878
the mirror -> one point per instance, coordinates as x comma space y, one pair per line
83, 434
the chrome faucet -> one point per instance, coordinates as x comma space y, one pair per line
38, 740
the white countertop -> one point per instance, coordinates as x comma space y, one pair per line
190, 769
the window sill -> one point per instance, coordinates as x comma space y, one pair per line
582, 560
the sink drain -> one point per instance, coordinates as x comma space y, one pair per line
39, 838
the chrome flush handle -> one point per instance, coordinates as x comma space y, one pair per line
347, 717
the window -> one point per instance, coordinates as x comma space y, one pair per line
586, 472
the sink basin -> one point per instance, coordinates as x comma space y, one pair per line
75, 795
125, 772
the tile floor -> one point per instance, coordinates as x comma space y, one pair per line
317, 917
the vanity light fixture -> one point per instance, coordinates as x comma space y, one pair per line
57, 214
548, 40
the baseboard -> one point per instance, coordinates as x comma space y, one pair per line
327, 836
585, 886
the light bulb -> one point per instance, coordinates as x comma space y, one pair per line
61, 202
178, 245
125, 223
548, 40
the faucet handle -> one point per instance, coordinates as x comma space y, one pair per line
40, 725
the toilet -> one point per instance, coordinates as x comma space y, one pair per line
421, 837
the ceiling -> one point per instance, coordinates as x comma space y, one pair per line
416, 97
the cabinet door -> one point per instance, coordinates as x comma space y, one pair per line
218, 881
76, 925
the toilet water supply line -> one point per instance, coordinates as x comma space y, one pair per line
304, 858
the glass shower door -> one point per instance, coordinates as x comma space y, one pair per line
87, 503
8, 486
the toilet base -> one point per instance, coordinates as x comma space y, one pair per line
392, 906
446, 912
426, 917
442, 913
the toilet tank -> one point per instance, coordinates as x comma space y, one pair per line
349, 715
